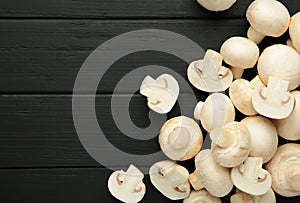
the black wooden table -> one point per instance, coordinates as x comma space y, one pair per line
43, 45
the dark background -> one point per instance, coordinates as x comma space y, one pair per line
43, 44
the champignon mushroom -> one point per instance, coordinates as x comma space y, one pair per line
280, 61
288, 128
127, 186
161, 93
267, 18
264, 138
231, 144
216, 5
251, 178
241, 197
240, 53
180, 138
274, 101
201, 196
216, 111
295, 31
210, 175
240, 92
208, 74
170, 179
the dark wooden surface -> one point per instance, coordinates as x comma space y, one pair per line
43, 44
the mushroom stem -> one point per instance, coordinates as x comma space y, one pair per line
212, 63
252, 168
237, 72
133, 175
276, 90
179, 138
198, 109
256, 83
195, 180
255, 36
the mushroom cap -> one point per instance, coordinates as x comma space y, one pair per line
170, 179
288, 128
240, 52
285, 170
201, 196
268, 17
241, 197
127, 186
295, 31
264, 139
280, 61
216, 5
180, 138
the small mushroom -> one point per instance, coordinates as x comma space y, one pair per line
210, 175
216, 5
264, 139
267, 18
245, 88
285, 170
241, 197
216, 111
282, 62
251, 178
240, 53
180, 138
127, 186
288, 128
161, 93
295, 31
201, 196
208, 74
231, 144
274, 101
170, 179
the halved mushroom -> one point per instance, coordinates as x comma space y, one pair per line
216, 5
251, 178
264, 138
240, 92
288, 128
201, 196
267, 18
240, 53
127, 186
295, 31
216, 111
274, 101
210, 175
241, 197
231, 144
161, 93
285, 170
282, 62
170, 179
180, 138
208, 74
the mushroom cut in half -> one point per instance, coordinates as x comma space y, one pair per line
180, 138
201, 196
267, 18
240, 53
210, 175
216, 5
170, 179
208, 74
251, 178
241, 197
127, 186
231, 144
285, 170
294, 31
161, 93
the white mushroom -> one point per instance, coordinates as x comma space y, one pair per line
240, 92
208, 74
161, 93
285, 170
264, 138
280, 61
295, 31
216, 5
241, 197
127, 186
180, 138
240, 53
274, 101
251, 178
216, 111
170, 179
200, 197
210, 175
288, 128
267, 18
231, 144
